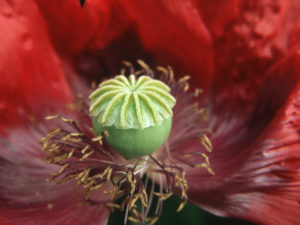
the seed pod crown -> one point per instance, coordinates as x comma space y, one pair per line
130, 103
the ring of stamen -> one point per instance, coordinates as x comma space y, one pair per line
92, 163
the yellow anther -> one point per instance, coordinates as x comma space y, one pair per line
171, 73
162, 69
106, 133
153, 221
142, 64
53, 147
70, 139
96, 187
60, 158
67, 120
164, 197
184, 79
180, 207
51, 117
87, 155
133, 201
186, 87
127, 63
62, 169
76, 134
123, 71
144, 199
70, 154
113, 206
108, 177
83, 151
197, 92
206, 143
135, 220
99, 139
205, 164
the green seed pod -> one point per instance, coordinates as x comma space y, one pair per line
136, 113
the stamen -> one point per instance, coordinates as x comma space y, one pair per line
206, 143
51, 117
180, 207
94, 164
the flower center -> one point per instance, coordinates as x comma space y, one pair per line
87, 156
136, 113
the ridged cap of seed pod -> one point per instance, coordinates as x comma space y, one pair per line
130, 103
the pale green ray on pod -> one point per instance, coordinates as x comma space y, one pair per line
137, 113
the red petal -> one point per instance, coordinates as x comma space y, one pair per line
31, 75
275, 172
33, 84
74, 28
174, 32
27, 198
249, 37
256, 154
218, 14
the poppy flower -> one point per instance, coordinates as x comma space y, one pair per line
235, 155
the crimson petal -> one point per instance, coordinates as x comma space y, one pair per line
32, 86
31, 74
256, 154
74, 28
249, 36
26, 197
174, 32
